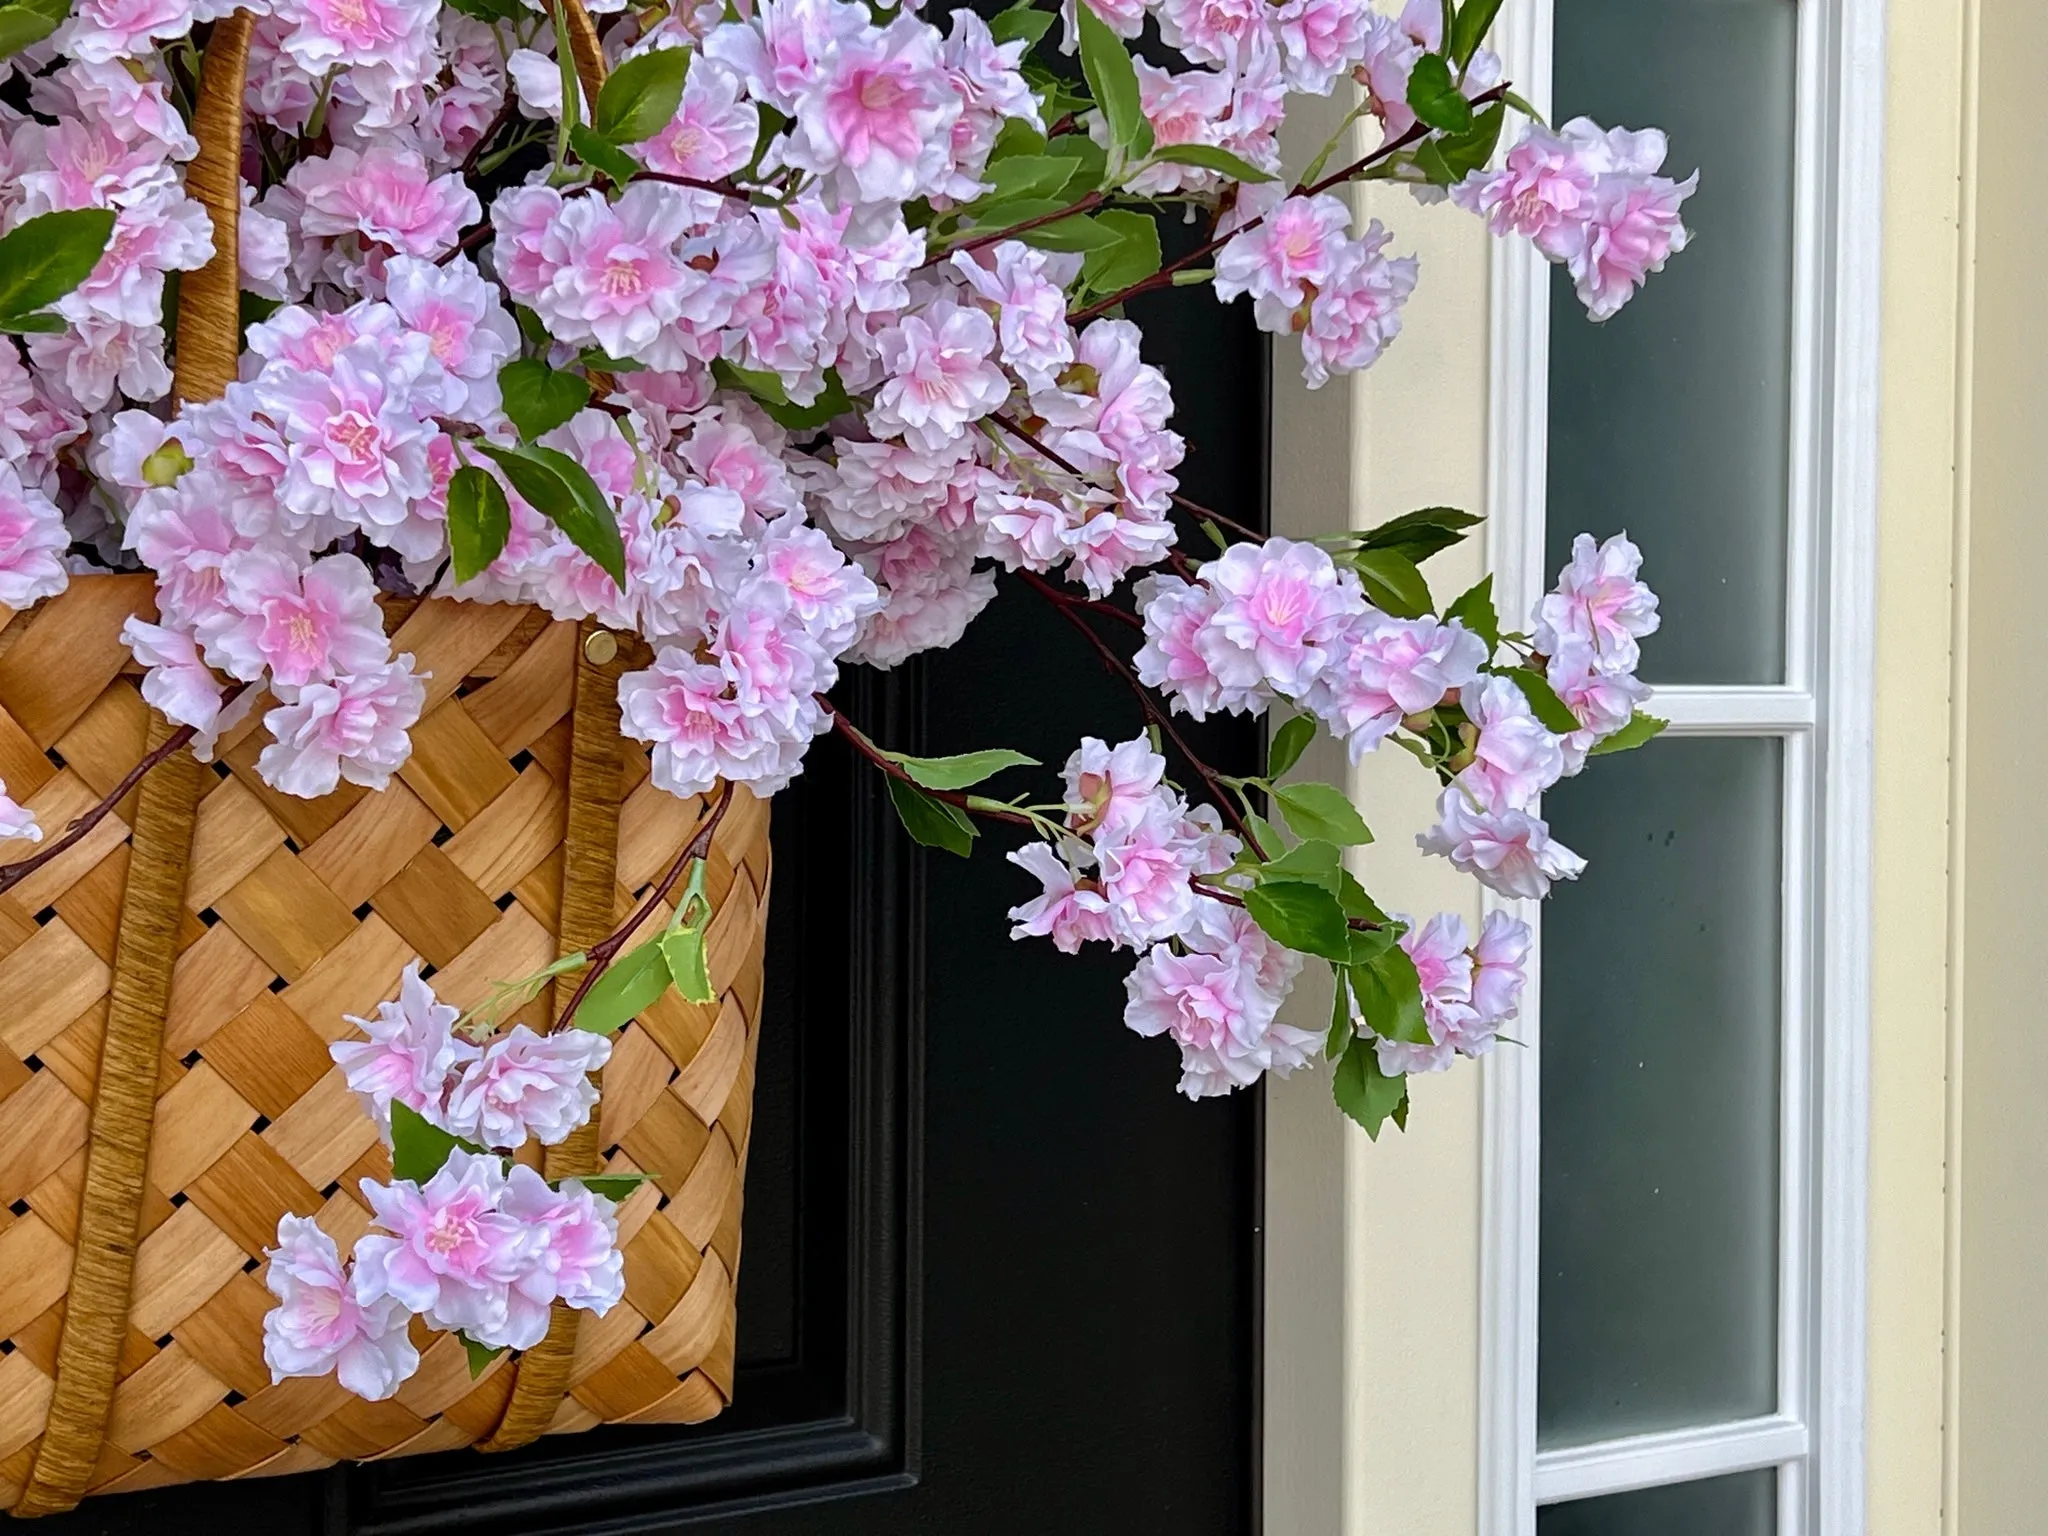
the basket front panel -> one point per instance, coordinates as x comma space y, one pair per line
298, 913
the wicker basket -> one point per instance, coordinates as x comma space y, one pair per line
490, 853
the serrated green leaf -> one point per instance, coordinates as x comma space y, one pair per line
1356, 903
479, 521
1113, 81
600, 153
1474, 609
931, 822
538, 398
480, 1355
768, 393
1321, 811
1302, 916
613, 1186
1389, 994
1083, 232
1267, 835
1016, 137
418, 1148
1544, 703
1021, 176
1364, 1092
1368, 944
24, 25
1392, 581
963, 770
1210, 158
1469, 30
1289, 742
641, 96
1020, 21
562, 491
1341, 1026
628, 988
1314, 861
1463, 153
1421, 533
44, 258
1434, 96
1091, 157
683, 949
1134, 257
1640, 728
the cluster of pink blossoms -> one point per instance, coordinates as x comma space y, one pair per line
485, 1246
1468, 989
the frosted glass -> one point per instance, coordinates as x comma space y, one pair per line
1660, 1094
1744, 1505
1672, 420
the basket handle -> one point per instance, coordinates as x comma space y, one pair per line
160, 848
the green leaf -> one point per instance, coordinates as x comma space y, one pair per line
28, 23
683, 949
1289, 742
1267, 835
1368, 944
1364, 1092
1355, 901
1302, 916
418, 1149
480, 1355
255, 308
1474, 609
600, 153
1017, 136
963, 770
1392, 581
1469, 30
1341, 1026
538, 398
767, 390
1082, 232
1640, 728
931, 822
629, 987
562, 491
1113, 81
46, 257
45, 324
1463, 153
1544, 703
1020, 20
1390, 995
479, 521
641, 96
1315, 861
490, 10
1434, 95
1525, 107
1210, 158
1025, 176
1420, 534
1092, 158
1321, 811
613, 1186
1134, 257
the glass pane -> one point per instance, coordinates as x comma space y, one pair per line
1744, 1505
1672, 420
1660, 1094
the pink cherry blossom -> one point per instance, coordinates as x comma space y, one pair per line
1211, 31
1634, 229
447, 1252
1320, 40
1506, 850
298, 625
1542, 192
467, 328
701, 734
321, 1327
877, 119
524, 1084
573, 1251
1516, 757
1499, 962
353, 728
1384, 669
32, 543
1110, 786
1351, 321
411, 1055
713, 134
931, 593
1444, 970
178, 681
385, 194
1028, 289
1220, 1000
1071, 909
396, 34
1600, 599
617, 277
942, 378
1148, 860
1176, 614
1281, 261
17, 822
1281, 606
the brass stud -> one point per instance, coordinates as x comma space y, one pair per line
600, 646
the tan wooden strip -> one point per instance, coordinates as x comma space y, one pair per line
512, 835
196, 1122
42, 1125
57, 804
249, 1190
108, 739
214, 980
35, 1267
454, 767
69, 652
357, 974
371, 843
283, 912
433, 906
269, 1054
235, 834
530, 694
48, 982
446, 638
179, 1268
167, 1394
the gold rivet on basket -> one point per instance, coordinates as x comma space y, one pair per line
600, 646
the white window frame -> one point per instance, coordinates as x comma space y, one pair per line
1823, 715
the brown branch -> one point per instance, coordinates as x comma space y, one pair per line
1115, 665
13, 874
605, 950
1232, 899
896, 770
1092, 201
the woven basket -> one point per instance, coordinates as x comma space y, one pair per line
491, 852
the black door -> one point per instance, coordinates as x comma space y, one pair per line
997, 1276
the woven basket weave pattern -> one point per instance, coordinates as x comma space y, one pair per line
298, 912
